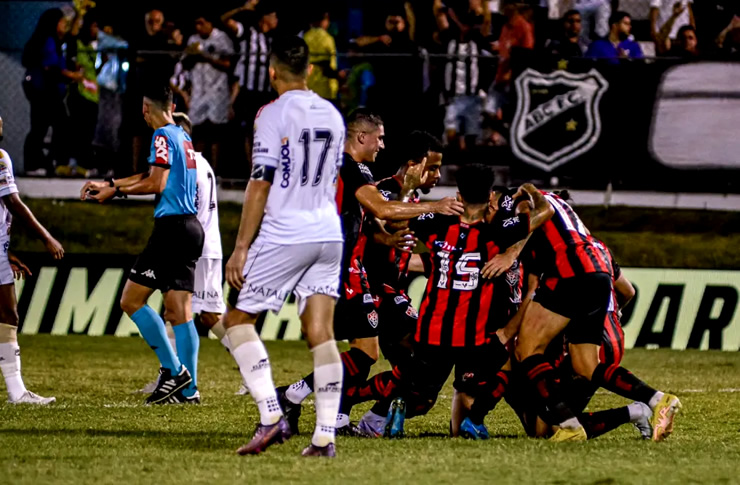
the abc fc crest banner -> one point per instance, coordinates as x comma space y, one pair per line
557, 116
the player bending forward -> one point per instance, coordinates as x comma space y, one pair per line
11, 206
297, 150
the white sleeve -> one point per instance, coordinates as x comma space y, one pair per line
226, 47
192, 39
656, 3
239, 30
7, 181
267, 140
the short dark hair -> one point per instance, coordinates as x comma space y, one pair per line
361, 118
685, 29
183, 121
475, 183
291, 53
419, 143
569, 13
617, 17
159, 94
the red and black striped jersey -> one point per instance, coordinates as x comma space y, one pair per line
457, 303
563, 247
386, 266
352, 176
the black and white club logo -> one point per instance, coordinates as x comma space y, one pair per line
557, 116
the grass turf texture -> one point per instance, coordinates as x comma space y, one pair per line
98, 432
639, 237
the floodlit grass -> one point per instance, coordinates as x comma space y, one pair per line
98, 431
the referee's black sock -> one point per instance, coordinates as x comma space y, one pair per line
546, 381
620, 381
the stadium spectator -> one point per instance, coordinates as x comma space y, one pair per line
570, 44
254, 36
516, 35
685, 45
619, 42
728, 40
152, 64
208, 58
323, 78
595, 15
666, 18
45, 86
462, 39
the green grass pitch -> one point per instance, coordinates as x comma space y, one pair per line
99, 432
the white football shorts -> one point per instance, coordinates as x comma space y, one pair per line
208, 293
274, 271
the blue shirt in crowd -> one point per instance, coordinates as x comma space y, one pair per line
604, 49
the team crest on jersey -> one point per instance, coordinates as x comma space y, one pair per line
372, 318
161, 152
557, 116
512, 276
507, 203
411, 312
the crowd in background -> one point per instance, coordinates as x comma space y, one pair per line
445, 66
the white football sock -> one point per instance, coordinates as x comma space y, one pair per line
327, 378
251, 356
298, 391
571, 423
638, 410
655, 399
10, 361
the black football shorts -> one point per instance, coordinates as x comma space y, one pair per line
168, 260
356, 317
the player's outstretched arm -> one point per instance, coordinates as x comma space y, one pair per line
97, 186
394, 210
255, 200
511, 329
21, 212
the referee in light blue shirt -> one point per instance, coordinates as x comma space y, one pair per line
168, 260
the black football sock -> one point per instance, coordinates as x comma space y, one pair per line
602, 422
356, 366
378, 387
489, 396
545, 380
622, 382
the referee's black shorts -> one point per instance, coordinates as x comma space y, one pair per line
168, 260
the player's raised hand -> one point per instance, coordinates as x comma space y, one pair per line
449, 206
416, 175
54, 247
235, 269
498, 265
91, 186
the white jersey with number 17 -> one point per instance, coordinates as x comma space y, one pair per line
301, 136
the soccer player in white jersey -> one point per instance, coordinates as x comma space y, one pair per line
290, 201
12, 206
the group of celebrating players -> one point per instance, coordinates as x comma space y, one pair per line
521, 300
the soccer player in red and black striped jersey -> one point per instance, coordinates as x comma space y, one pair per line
574, 293
454, 328
356, 318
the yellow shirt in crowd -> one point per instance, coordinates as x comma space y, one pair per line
321, 47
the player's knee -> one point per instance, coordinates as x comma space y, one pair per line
209, 319
129, 305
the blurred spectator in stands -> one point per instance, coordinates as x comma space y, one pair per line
397, 70
517, 36
112, 85
686, 45
570, 44
595, 15
208, 58
728, 40
666, 18
712, 17
619, 42
323, 56
152, 52
254, 36
464, 82
83, 102
45, 86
